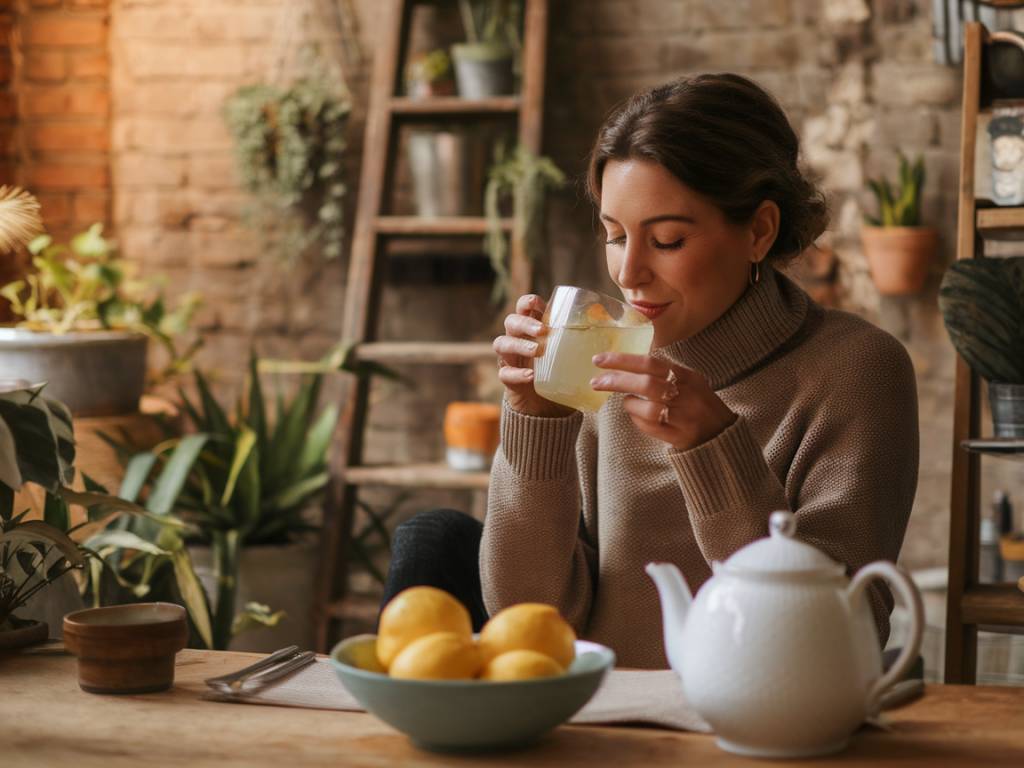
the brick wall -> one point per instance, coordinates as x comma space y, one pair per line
62, 74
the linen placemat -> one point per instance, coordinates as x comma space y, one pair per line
649, 697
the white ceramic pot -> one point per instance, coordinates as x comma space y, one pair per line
779, 650
282, 577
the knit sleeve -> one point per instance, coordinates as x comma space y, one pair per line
851, 482
532, 550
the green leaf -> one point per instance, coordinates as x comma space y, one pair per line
175, 473
318, 439
192, 593
135, 474
255, 616
290, 432
225, 555
297, 494
256, 415
10, 475
124, 540
213, 413
38, 531
55, 512
243, 450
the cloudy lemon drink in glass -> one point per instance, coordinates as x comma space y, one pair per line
581, 324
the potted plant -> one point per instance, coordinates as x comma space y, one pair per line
484, 64
290, 153
429, 75
523, 178
898, 248
982, 304
85, 324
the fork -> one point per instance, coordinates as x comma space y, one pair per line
273, 667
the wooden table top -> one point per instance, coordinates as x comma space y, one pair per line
46, 720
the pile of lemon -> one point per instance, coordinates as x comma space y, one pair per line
426, 634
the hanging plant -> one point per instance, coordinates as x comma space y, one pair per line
289, 148
526, 178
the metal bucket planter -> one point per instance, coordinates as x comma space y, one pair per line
1007, 404
483, 71
440, 164
94, 373
282, 577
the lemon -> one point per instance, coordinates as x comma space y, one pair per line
520, 665
416, 612
529, 627
364, 656
438, 656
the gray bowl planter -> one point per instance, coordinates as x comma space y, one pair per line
1007, 403
94, 373
482, 71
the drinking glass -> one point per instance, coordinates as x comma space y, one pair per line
581, 323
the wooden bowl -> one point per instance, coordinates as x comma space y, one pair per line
126, 648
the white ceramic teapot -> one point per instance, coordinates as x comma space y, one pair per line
779, 650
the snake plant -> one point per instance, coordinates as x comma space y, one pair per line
899, 207
982, 303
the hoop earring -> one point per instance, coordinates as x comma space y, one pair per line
755, 273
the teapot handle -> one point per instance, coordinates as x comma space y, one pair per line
911, 600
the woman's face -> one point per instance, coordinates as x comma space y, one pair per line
674, 255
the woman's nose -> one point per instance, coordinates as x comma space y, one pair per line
633, 270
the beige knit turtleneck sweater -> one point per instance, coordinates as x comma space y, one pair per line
826, 427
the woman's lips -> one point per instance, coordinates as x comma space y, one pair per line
648, 310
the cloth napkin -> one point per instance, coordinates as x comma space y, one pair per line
651, 697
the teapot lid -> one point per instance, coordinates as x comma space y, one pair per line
781, 553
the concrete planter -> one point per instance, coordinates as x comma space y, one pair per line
94, 373
282, 577
899, 257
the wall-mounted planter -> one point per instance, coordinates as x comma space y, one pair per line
899, 257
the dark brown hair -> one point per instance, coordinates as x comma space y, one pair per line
726, 138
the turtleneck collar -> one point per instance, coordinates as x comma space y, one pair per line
760, 322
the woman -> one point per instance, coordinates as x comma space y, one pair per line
753, 399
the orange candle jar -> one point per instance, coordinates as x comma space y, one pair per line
471, 432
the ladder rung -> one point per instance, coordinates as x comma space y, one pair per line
452, 106
428, 352
358, 607
441, 225
993, 604
417, 475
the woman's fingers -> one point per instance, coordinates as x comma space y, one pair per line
531, 305
619, 361
513, 377
522, 325
509, 347
641, 384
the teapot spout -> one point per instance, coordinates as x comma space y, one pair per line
675, 598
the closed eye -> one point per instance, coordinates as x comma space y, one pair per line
669, 246
619, 241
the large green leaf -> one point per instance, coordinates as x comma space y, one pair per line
124, 540
192, 593
313, 455
225, 557
243, 450
215, 417
175, 473
136, 473
38, 531
290, 432
301, 491
36, 444
10, 475
256, 414
982, 303
55, 512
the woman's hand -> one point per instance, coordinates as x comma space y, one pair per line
666, 401
516, 350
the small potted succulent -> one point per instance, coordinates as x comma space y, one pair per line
485, 63
85, 324
982, 303
898, 248
430, 74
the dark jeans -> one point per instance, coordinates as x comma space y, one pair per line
440, 549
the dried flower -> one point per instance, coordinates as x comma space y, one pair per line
19, 218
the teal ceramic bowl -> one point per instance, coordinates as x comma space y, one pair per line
464, 715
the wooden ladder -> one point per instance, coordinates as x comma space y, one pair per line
970, 604
388, 112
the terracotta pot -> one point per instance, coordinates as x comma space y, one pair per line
899, 257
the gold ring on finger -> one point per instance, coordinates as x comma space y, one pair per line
663, 416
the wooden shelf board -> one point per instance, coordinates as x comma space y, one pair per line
454, 106
996, 219
417, 476
1001, 447
426, 352
997, 605
441, 225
